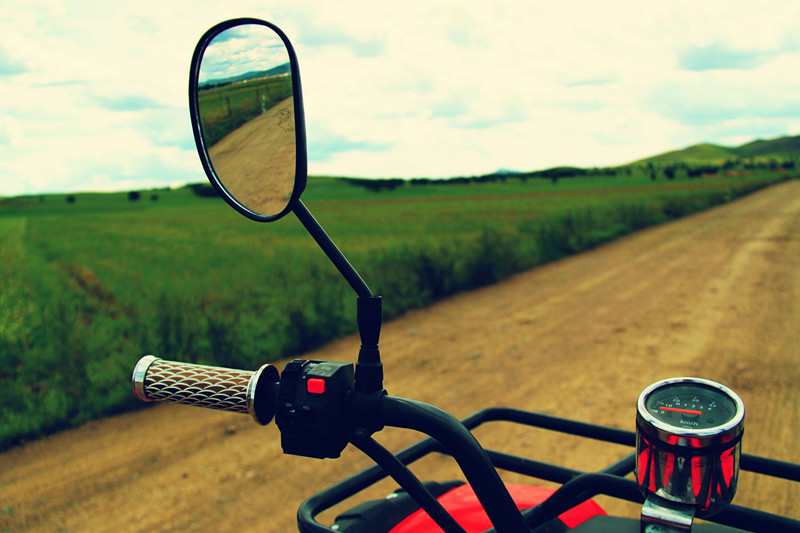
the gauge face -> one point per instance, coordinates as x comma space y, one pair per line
690, 406
688, 443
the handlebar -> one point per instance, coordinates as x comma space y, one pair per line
319, 410
224, 389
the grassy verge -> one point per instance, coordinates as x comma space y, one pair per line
93, 284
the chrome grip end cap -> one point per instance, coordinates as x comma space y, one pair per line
139, 373
261, 392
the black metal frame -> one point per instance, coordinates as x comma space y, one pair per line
577, 486
301, 165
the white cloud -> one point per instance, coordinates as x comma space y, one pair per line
94, 95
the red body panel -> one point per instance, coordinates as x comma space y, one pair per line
464, 506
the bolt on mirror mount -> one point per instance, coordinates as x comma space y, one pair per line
246, 107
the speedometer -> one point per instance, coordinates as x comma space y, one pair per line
688, 441
692, 405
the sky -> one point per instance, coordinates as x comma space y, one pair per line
93, 95
244, 49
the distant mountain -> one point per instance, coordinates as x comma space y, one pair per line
783, 147
252, 75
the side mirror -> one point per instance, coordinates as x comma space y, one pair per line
247, 117
248, 123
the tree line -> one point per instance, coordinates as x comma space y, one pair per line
698, 170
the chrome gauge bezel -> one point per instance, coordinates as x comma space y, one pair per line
693, 437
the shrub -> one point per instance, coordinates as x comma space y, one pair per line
203, 190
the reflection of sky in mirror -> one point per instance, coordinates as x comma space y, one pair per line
241, 50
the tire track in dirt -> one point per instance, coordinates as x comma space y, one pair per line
715, 295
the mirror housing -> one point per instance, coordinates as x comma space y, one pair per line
236, 145
247, 117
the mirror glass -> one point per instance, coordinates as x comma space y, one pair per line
247, 116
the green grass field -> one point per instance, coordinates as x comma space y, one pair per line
90, 286
223, 109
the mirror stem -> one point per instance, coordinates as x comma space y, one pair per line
369, 370
330, 249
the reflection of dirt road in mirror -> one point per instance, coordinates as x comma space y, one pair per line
256, 162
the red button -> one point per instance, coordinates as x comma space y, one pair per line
315, 386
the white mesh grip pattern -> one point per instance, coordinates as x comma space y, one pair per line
225, 389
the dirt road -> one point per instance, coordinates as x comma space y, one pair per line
256, 162
716, 295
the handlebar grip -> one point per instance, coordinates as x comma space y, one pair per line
225, 389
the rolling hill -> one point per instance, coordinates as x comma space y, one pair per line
247, 76
783, 147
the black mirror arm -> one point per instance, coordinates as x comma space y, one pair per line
330, 249
369, 370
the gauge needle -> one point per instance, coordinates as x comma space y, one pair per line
684, 411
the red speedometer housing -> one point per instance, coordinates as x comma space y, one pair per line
688, 443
